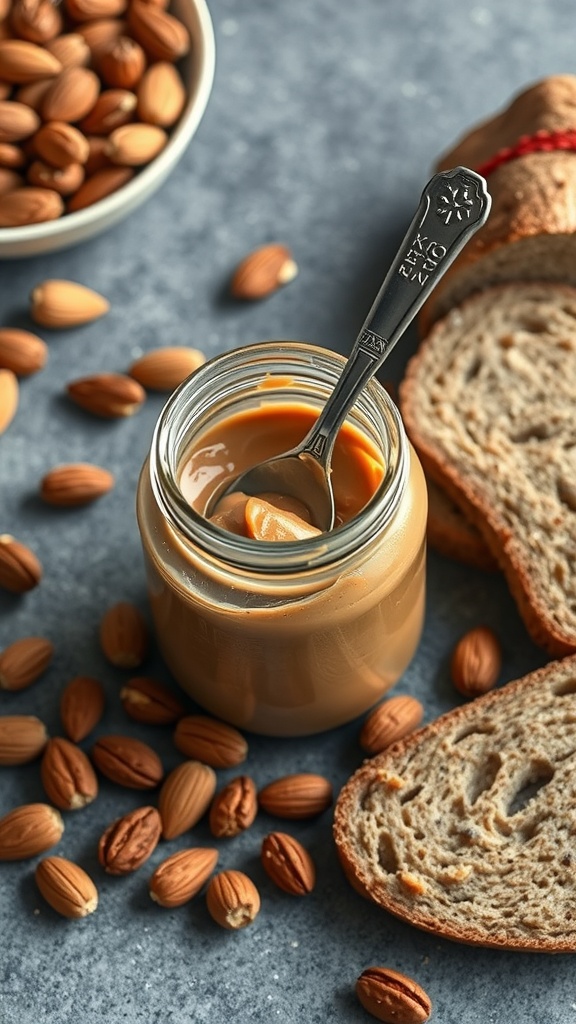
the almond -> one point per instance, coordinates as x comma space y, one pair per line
70, 49
29, 206
262, 272
210, 741
75, 484
65, 180
8, 395
21, 351
129, 841
162, 36
71, 96
389, 722
303, 795
22, 738
86, 10
288, 864
67, 775
24, 661
234, 809
476, 662
21, 61
392, 997
185, 797
57, 303
17, 121
122, 63
61, 144
20, 570
33, 94
232, 899
128, 762
149, 701
29, 830
135, 144
66, 887
178, 878
113, 108
9, 181
99, 185
81, 707
163, 369
109, 395
161, 95
99, 32
97, 159
11, 156
38, 21
124, 635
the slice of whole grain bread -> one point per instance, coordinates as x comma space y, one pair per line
489, 401
451, 534
467, 828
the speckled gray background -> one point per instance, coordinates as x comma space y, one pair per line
321, 131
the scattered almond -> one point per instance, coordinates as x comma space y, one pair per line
178, 878
234, 808
29, 205
109, 395
8, 395
185, 796
262, 272
392, 997
21, 351
476, 662
66, 887
302, 795
133, 145
128, 762
20, 570
288, 864
68, 777
22, 738
81, 707
149, 701
124, 635
29, 830
71, 96
57, 303
161, 95
75, 484
389, 722
24, 661
129, 841
22, 61
163, 369
232, 899
208, 740
99, 185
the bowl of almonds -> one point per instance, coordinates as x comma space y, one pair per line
98, 101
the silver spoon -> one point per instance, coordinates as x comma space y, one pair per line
454, 204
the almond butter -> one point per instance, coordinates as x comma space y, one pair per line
17, 121
288, 864
20, 570
22, 738
302, 795
21, 351
109, 395
162, 36
29, 830
163, 369
71, 49
133, 145
21, 61
476, 662
25, 206
63, 180
9, 393
24, 661
86, 10
57, 303
185, 796
127, 762
99, 185
262, 272
66, 887
75, 484
129, 841
208, 740
9, 181
71, 96
81, 707
149, 701
11, 155
60, 144
161, 95
68, 777
232, 899
178, 878
122, 63
392, 997
113, 108
234, 808
124, 635
389, 722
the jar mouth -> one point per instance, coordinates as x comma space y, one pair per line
244, 377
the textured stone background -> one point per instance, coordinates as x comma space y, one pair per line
321, 131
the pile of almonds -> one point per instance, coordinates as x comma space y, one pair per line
89, 90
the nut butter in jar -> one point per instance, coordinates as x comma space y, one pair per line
293, 637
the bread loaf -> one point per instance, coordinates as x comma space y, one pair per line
467, 828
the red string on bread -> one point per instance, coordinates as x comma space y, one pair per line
541, 142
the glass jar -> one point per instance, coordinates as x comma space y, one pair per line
295, 637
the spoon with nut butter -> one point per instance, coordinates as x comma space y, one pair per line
453, 205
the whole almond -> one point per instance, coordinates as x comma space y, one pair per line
99, 185
11, 155
71, 96
178, 878
135, 144
162, 36
64, 180
110, 395
392, 997
22, 738
81, 707
32, 94
163, 369
113, 108
124, 635
66, 887
99, 32
21, 61
161, 95
208, 740
234, 808
97, 159
29, 206
149, 701
476, 662
75, 484
302, 795
185, 796
58, 303
86, 10
9, 393
122, 63
288, 864
24, 661
389, 722
9, 180
70, 49
232, 899
128, 762
262, 272
17, 121
38, 21
21, 351
129, 841
60, 144
68, 778
29, 830
20, 570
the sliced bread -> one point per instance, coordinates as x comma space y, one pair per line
451, 534
467, 828
489, 401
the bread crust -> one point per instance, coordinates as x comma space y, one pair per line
451, 534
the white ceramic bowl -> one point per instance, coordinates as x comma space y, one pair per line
198, 71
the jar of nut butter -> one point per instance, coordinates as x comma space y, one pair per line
265, 621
